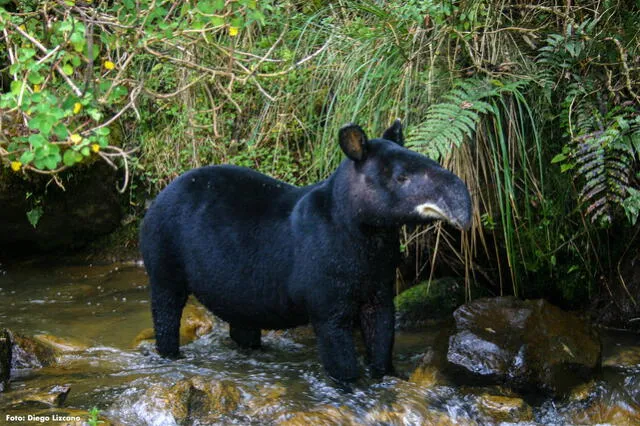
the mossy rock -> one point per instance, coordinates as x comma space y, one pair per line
31, 353
429, 301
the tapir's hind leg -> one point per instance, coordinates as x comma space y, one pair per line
244, 336
167, 301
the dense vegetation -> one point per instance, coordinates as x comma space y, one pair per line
536, 105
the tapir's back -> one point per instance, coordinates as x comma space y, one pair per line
226, 231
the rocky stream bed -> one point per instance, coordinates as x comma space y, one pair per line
75, 338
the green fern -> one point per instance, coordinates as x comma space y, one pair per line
603, 160
448, 123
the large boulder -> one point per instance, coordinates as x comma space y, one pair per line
87, 207
527, 345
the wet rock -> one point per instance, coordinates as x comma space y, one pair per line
196, 322
60, 344
196, 398
504, 408
605, 412
628, 357
31, 353
583, 392
528, 345
6, 345
401, 416
267, 402
54, 397
426, 376
428, 301
321, 416
428, 373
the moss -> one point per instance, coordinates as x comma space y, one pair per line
430, 300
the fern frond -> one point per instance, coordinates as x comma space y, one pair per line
455, 118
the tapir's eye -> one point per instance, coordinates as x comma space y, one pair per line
401, 178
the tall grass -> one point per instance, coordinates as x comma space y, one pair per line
463, 78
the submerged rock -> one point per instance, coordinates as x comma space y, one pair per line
60, 344
53, 397
321, 416
196, 398
505, 409
6, 345
196, 322
628, 357
528, 345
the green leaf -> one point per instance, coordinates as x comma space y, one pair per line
78, 41
558, 158
67, 69
61, 132
26, 53
16, 87
34, 215
35, 78
51, 162
37, 140
27, 157
86, 151
217, 21
69, 158
102, 131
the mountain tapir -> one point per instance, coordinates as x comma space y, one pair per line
263, 254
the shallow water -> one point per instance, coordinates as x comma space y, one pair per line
105, 307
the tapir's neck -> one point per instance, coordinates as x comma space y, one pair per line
345, 211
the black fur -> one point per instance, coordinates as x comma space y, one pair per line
262, 254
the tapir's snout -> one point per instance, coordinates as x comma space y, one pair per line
448, 200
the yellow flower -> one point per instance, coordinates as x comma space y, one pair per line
77, 107
233, 31
75, 138
95, 147
109, 65
36, 88
16, 166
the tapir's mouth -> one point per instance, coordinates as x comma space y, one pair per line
432, 211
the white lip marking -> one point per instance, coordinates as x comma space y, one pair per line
431, 211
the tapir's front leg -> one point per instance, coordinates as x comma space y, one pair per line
377, 323
337, 350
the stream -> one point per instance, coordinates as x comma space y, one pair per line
101, 310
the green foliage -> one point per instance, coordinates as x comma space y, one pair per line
534, 105
94, 417
602, 128
450, 122
430, 300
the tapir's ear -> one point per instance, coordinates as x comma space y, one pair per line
394, 133
353, 142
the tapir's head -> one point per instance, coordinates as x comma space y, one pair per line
391, 185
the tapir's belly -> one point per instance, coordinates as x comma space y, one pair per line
243, 276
